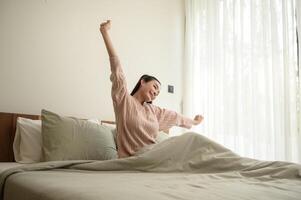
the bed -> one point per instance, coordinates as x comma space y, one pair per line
189, 166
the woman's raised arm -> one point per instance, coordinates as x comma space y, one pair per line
119, 89
104, 29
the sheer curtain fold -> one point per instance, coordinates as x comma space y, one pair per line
241, 74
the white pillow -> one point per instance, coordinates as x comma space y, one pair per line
96, 121
28, 141
27, 144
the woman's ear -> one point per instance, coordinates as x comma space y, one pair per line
142, 82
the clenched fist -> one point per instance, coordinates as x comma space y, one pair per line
198, 119
105, 26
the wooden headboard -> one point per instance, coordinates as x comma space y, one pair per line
8, 123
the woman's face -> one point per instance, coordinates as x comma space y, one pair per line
150, 90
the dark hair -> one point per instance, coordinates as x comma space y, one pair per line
146, 78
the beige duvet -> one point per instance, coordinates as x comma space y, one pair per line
184, 167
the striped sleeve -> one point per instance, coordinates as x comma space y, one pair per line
168, 119
119, 86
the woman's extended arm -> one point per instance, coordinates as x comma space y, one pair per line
169, 118
104, 29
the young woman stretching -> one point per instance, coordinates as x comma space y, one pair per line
138, 121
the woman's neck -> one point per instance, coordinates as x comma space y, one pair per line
139, 97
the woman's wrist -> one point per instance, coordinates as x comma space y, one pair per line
103, 31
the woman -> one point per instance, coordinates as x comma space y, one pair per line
138, 121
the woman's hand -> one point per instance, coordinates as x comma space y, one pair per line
105, 26
197, 119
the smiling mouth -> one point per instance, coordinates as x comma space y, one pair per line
151, 95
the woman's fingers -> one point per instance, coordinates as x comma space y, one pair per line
105, 25
198, 119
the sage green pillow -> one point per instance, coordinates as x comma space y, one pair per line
68, 138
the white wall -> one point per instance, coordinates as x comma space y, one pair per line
52, 55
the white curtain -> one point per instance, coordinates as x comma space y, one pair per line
241, 73
298, 16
